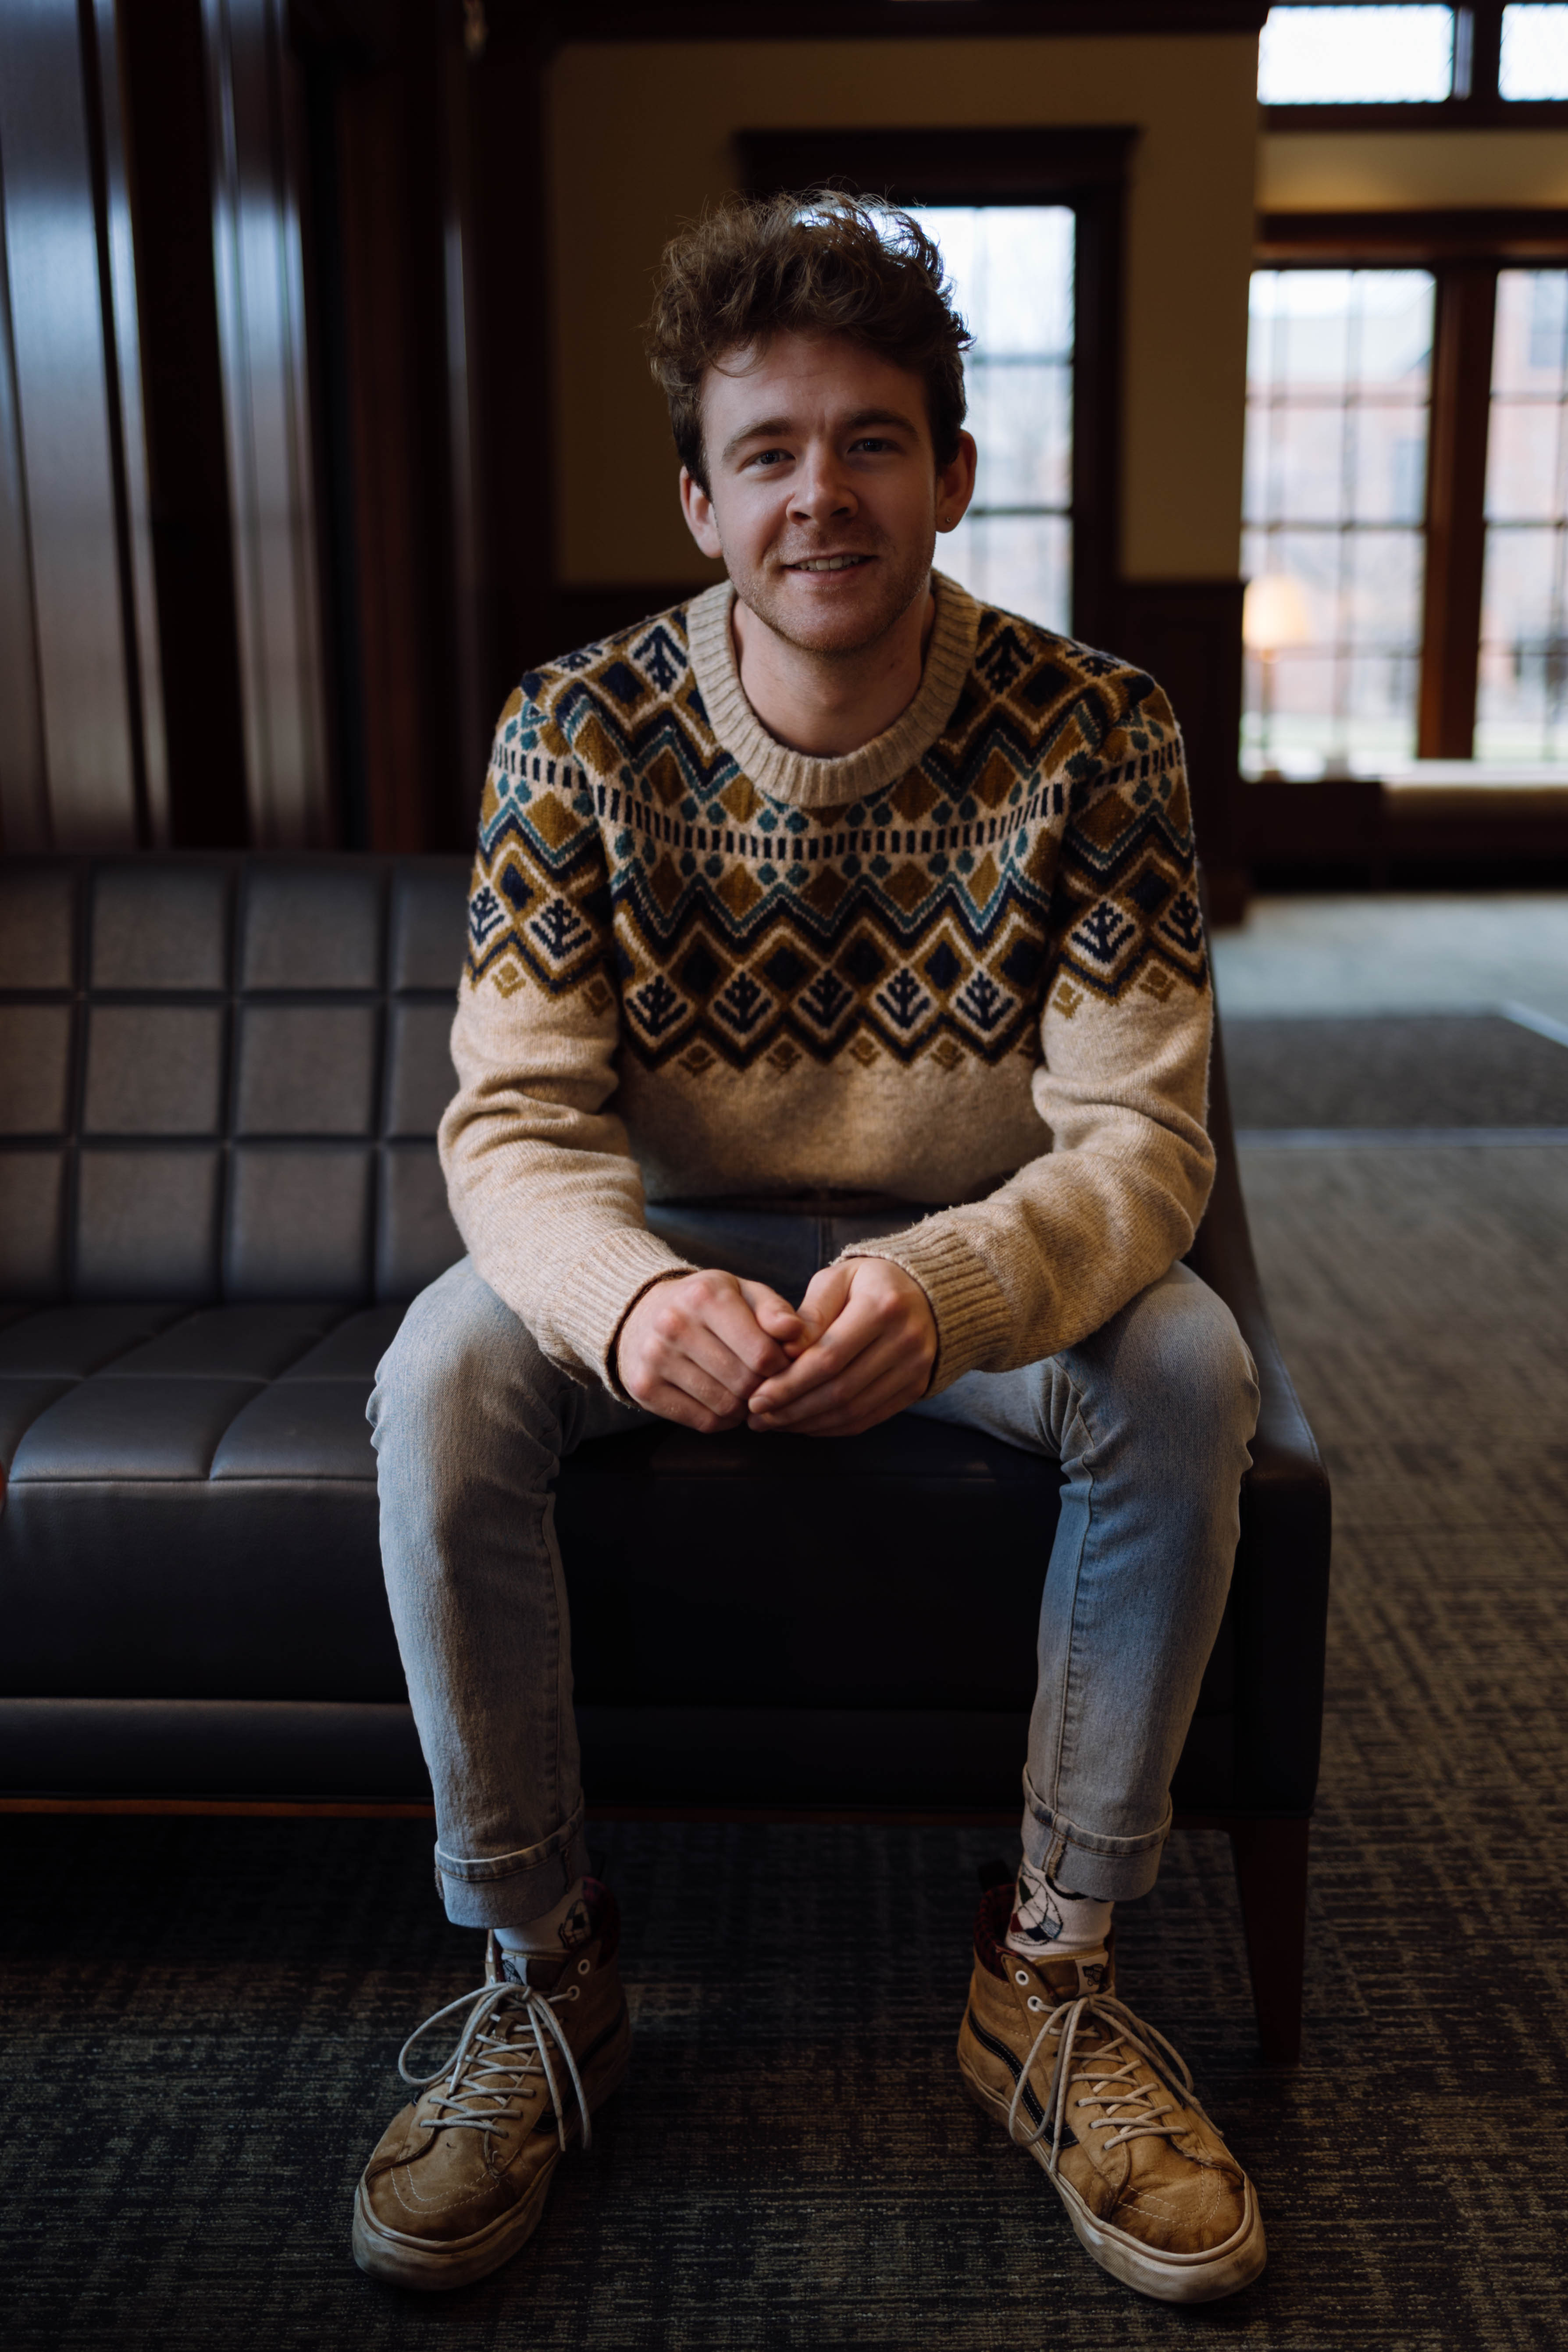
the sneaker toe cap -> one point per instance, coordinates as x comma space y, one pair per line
442, 2186
1192, 2214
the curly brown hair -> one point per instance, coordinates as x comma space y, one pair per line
822, 263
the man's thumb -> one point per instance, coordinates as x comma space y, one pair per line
825, 1297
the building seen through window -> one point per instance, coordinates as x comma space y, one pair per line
1011, 268
1339, 374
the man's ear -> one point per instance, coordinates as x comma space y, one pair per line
956, 484
698, 508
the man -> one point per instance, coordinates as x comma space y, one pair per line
880, 920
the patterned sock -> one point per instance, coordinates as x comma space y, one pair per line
560, 1930
1047, 1919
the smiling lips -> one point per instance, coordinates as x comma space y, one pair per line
828, 563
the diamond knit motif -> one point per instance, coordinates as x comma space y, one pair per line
1042, 843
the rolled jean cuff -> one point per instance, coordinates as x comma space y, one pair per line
508, 1890
1081, 1861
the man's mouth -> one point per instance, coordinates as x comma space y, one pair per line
828, 563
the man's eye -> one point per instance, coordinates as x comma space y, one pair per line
769, 458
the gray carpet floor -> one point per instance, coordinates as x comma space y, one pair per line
203, 2018
1418, 1070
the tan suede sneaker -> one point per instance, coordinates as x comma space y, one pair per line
1107, 2107
458, 2180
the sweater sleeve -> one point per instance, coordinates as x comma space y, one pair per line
538, 1171
1121, 1087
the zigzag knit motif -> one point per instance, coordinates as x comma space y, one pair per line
1040, 847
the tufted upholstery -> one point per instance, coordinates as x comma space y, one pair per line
219, 1082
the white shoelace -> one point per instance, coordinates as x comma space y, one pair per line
1135, 2108
490, 2066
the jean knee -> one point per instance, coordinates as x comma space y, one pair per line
1185, 1342
449, 1361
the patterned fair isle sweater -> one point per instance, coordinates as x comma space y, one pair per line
962, 968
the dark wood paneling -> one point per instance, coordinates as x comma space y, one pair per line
1456, 510
253, 102
65, 517
24, 764
509, 276
168, 168
1188, 633
387, 244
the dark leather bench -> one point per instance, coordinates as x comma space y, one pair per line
219, 1085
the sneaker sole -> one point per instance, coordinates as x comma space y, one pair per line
1207, 2277
432, 2267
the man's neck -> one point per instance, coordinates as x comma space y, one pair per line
827, 705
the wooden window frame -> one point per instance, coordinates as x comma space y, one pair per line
1464, 251
1477, 103
1085, 170
558, 21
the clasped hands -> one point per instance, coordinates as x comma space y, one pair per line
712, 1351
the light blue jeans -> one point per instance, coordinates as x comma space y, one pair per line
1150, 1419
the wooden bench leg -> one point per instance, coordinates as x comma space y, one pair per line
1272, 1874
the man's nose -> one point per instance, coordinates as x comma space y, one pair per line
823, 489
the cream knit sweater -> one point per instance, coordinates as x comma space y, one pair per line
962, 969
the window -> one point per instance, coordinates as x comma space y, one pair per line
1339, 373
1399, 64
1405, 510
1326, 57
1012, 267
1534, 58
1523, 703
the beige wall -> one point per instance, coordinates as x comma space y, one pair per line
1369, 170
640, 138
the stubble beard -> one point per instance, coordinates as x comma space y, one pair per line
898, 581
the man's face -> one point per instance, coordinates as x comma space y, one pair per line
824, 496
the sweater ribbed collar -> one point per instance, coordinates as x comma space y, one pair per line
793, 776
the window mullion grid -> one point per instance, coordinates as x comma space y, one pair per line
1274, 516
1485, 50
1344, 573
1555, 653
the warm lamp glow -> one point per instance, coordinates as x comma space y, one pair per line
1274, 614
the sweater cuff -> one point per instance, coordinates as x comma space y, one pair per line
601, 1290
973, 1314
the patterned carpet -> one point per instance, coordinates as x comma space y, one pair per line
203, 2018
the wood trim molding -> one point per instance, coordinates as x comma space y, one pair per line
1026, 165
1456, 510
1433, 114
1478, 232
827, 20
